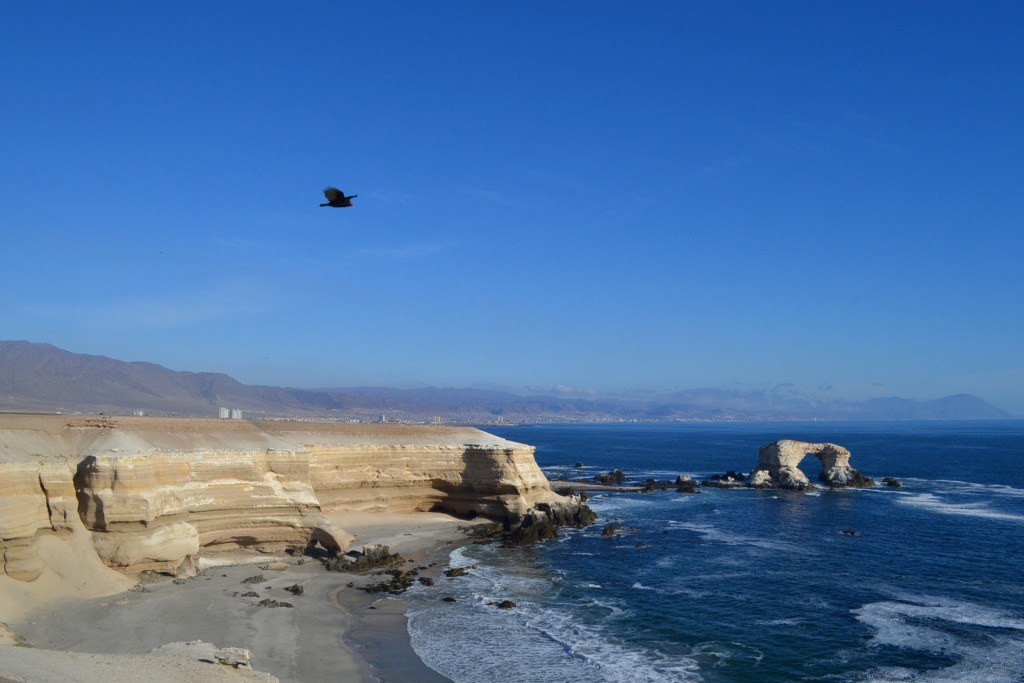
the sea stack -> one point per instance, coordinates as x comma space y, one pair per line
779, 466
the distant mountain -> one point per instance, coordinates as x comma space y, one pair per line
42, 377
782, 404
957, 407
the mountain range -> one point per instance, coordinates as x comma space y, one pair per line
41, 377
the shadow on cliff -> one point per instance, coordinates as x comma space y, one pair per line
481, 488
90, 505
486, 491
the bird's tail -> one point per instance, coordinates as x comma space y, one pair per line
325, 205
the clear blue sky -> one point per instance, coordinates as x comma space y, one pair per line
602, 195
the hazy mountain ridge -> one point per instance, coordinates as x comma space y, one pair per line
43, 377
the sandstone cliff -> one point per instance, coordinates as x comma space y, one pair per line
163, 493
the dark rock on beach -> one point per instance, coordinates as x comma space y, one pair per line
371, 557
268, 602
399, 583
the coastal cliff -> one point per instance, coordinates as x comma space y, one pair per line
165, 494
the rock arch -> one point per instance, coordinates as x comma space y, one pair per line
779, 466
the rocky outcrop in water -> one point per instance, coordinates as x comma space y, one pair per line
778, 466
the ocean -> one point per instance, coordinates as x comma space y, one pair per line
747, 585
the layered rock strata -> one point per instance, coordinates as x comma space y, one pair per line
161, 493
779, 466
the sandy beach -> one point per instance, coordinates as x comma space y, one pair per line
334, 631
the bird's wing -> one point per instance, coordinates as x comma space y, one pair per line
333, 193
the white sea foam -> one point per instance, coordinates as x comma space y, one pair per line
932, 503
541, 642
539, 645
948, 609
667, 562
990, 489
951, 628
955, 485
671, 592
1001, 663
614, 608
889, 621
1005, 490
458, 558
725, 654
712, 533
780, 622
618, 504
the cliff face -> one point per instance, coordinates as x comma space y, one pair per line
160, 493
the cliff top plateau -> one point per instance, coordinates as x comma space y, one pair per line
30, 435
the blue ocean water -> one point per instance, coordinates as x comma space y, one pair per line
745, 585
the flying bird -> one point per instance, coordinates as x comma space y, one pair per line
337, 198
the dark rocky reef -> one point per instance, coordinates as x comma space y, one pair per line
543, 522
539, 524
729, 480
614, 478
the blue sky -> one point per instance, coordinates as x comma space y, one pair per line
601, 195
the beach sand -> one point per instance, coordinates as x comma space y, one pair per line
333, 632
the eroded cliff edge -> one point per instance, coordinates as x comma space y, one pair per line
164, 493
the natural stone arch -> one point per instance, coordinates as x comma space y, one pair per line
779, 465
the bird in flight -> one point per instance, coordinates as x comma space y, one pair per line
337, 198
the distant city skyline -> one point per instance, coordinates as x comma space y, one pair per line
591, 198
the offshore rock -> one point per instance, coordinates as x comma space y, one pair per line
778, 466
614, 478
685, 484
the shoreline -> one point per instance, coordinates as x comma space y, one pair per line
333, 631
